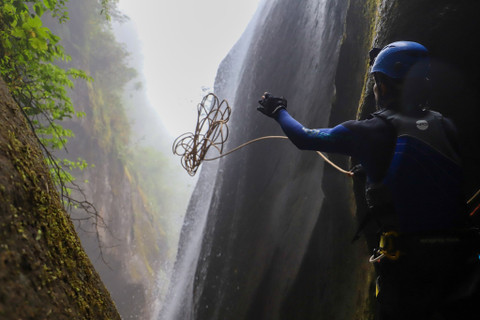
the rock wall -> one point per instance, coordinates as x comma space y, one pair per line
44, 271
276, 241
125, 240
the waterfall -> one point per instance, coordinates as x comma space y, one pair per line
179, 301
254, 215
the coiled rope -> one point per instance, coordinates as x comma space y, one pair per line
212, 131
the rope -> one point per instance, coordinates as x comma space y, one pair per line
212, 126
350, 173
245, 144
211, 131
470, 200
473, 197
374, 259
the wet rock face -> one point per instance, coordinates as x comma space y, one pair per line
271, 234
269, 196
44, 271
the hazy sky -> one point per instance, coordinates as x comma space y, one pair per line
183, 42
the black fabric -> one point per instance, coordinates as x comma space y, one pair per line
436, 278
377, 137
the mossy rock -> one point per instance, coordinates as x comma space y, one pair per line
44, 271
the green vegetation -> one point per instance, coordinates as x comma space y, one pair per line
88, 38
29, 53
33, 65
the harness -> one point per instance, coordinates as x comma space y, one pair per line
387, 248
393, 245
421, 188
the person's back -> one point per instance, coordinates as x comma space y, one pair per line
424, 177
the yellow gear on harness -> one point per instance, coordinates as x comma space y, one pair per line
388, 247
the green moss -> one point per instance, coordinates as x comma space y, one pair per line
44, 271
371, 12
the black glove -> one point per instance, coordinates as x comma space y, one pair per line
270, 104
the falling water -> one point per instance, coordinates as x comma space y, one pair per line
253, 214
179, 301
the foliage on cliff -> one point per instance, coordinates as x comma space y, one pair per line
89, 40
44, 272
31, 64
131, 183
29, 52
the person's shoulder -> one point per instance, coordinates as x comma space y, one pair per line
446, 121
375, 120
374, 131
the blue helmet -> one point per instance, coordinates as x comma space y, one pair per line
401, 60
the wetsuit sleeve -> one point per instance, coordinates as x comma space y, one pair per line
338, 139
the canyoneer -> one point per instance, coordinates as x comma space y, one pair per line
426, 259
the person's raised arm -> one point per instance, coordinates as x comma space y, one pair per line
337, 140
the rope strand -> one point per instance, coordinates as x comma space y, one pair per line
212, 126
244, 145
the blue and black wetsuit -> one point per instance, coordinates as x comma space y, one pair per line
415, 157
